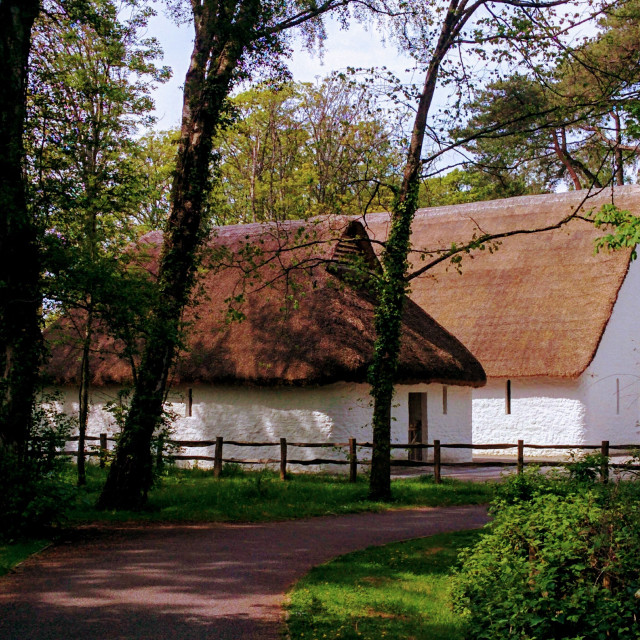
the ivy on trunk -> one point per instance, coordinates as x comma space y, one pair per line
392, 286
227, 35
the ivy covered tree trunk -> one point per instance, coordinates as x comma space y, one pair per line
388, 323
392, 286
20, 300
618, 155
215, 56
230, 37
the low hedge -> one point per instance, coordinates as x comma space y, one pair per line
561, 561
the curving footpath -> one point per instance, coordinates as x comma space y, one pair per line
214, 581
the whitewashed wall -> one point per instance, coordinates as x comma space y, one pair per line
452, 427
613, 415
330, 413
583, 411
543, 411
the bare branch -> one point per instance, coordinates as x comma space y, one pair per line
490, 237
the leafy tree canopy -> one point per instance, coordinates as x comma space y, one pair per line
576, 123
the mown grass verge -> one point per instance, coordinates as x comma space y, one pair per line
194, 495
400, 590
15, 552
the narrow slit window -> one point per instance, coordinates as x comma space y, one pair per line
445, 400
507, 398
617, 396
189, 407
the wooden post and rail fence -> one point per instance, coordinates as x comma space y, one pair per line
219, 444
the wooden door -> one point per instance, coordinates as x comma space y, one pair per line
417, 424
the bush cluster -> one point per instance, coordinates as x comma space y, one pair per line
561, 561
37, 488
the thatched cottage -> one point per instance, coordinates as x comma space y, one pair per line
296, 365
554, 324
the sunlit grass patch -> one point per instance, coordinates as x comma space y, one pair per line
397, 591
194, 495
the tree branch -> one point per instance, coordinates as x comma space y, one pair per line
490, 237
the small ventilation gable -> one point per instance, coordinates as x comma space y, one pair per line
353, 256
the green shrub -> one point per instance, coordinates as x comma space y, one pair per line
232, 470
560, 562
161, 446
35, 492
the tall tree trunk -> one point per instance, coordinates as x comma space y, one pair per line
393, 284
83, 393
224, 31
619, 161
20, 301
215, 55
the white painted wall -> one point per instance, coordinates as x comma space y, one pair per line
583, 411
610, 417
452, 427
330, 413
543, 411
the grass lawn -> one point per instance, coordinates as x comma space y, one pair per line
194, 495
397, 591
14, 553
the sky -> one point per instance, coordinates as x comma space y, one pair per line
355, 48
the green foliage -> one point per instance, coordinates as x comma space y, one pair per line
36, 492
89, 92
231, 470
511, 128
13, 553
559, 561
153, 162
460, 186
585, 469
161, 446
297, 150
92, 73
624, 229
574, 123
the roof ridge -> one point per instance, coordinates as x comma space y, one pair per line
546, 199
500, 205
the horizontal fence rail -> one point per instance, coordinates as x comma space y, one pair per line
102, 451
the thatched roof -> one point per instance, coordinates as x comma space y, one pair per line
539, 304
303, 323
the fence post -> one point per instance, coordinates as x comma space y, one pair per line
217, 458
520, 456
103, 449
159, 449
436, 461
353, 460
283, 458
604, 470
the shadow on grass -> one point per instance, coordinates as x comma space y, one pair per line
14, 553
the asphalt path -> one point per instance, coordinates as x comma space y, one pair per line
214, 581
